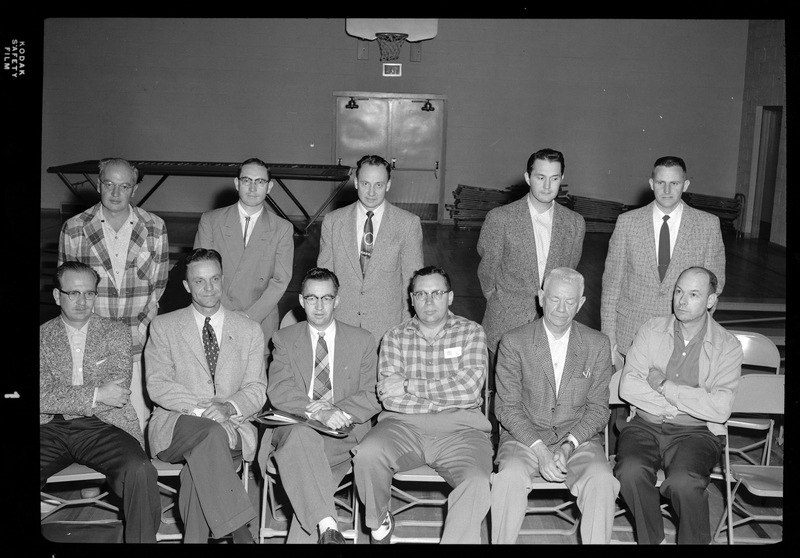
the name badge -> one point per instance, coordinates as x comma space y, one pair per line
453, 352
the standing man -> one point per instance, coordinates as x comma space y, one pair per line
432, 370
649, 249
84, 401
324, 369
127, 246
205, 374
681, 375
374, 248
552, 403
257, 248
520, 243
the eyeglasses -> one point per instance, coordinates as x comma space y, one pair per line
422, 296
247, 181
75, 295
108, 185
327, 300
376, 185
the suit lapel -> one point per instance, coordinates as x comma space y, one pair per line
522, 223
192, 337
341, 372
349, 238
572, 359
647, 242
227, 343
93, 231
541, 353
302, 357
558, 239
138, 239
384, 239
685, 232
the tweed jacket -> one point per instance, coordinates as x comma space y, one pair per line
378, 300
178, 377
107, 357
254, 278
134, 301
720, 370
508, 270
527, 406
354, 376
632, 290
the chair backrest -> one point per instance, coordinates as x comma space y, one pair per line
758, 350
760, 393
293, 316
613, 388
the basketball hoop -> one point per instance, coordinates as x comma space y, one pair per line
390, 44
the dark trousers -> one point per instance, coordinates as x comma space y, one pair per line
211, 496
113, 452
687, 455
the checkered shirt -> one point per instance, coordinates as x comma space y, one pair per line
135, 303
437, 382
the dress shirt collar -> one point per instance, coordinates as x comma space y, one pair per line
377, 213
217, 321
330, 332
243, 214
546, 215
552, 339
131, 217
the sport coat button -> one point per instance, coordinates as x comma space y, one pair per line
209, 381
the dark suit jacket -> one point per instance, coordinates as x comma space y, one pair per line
632, 290
527, 406
107, 357
509, 272
255, 278
354, 376
178, 377
380, 299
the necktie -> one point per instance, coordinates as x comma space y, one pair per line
210, 345
663, 249
322, 377
366, 243
246, 226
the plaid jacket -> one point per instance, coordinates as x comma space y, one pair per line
135, 301
446, 374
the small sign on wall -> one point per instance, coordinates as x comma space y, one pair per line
392, 70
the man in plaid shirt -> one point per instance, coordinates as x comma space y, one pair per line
431, 373
128, 248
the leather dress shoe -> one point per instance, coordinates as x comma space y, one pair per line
331, 536
388, 538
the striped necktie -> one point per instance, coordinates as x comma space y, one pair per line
322, 376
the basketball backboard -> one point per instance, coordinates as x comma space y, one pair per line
416, 29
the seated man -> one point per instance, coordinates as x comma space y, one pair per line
432, 370
681, 375
84, 402
326, 370
205, 374
552, 404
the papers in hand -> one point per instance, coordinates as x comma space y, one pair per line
275, 417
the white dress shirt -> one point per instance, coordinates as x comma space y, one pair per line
542, 232
674, 224
243, 220
117, 243
77, 344
361, 218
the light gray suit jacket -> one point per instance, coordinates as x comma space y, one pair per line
527, 406
178, 377
632, 290
509, 269
378, 300
255, 278
355, 373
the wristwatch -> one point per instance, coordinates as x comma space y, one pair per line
405, 385
572, 443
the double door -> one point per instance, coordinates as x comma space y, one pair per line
396, 127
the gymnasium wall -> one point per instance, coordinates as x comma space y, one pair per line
613, 95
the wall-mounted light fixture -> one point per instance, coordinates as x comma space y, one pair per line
428, 107
351, 104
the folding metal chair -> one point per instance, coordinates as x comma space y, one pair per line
758, 351
271, 480
758, 393
414, 477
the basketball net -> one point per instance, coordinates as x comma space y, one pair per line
390, 44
